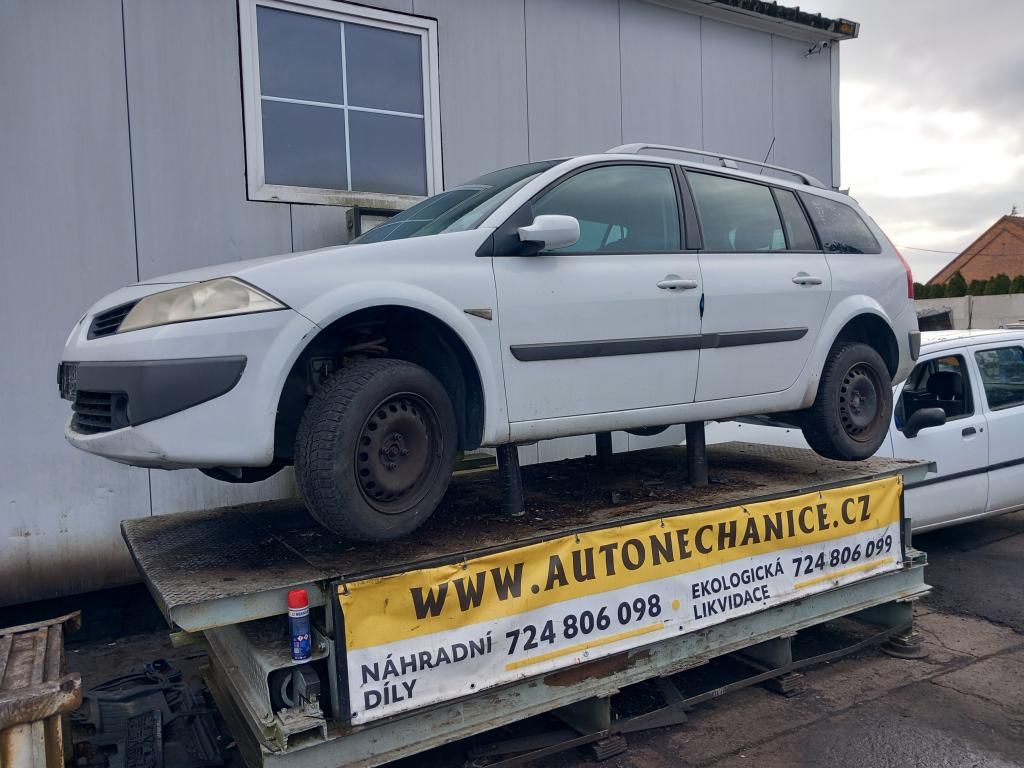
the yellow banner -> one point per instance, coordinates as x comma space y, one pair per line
423, 602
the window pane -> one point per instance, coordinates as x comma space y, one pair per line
388, 153
621, 209
384, 68
797, 229
736, 215
940, 383
1002, 373
840, 228
304, 146
300, 56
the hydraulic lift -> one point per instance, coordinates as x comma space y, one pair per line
778, 541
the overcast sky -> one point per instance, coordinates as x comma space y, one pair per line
932, 118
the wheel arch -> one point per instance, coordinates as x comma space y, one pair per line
394, 330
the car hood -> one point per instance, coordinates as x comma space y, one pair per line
228, 269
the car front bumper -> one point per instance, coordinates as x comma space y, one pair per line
194, 394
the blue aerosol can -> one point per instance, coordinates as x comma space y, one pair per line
298, 623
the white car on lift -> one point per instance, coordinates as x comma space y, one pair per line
615, 291
963, 408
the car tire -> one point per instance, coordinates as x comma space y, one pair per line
247, 475
375, 450
851, 413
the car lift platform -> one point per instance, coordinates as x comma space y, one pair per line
221, 577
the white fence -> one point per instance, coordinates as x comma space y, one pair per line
978, 311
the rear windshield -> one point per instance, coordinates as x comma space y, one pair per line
840, 227
458, 209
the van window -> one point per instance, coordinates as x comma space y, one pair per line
937, 383
840, 227
736, 215
1002, 375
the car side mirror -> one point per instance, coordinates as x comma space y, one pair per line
551, 231
923, 419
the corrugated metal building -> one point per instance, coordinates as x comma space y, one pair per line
140, 137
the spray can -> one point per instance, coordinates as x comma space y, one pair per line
298, 623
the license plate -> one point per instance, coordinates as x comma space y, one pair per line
67, 380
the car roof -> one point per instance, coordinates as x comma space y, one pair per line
937, 340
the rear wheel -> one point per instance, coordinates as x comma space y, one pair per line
850, 416
375, 449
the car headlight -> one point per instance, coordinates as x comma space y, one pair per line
214, 298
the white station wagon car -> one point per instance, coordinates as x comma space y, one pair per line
616, 291
963, 408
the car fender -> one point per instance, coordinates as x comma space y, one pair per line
478, 334
838, 316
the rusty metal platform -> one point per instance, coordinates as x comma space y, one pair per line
223, 566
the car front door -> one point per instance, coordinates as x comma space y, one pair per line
1001, 369
959, 447
611, 323
766, 287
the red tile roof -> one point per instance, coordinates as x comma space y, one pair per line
1000, 249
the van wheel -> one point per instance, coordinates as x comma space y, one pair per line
850, 416
375, 450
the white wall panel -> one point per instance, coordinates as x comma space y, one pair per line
736, 67
66, 238
661, 78
482, 63
802, 108
186, 128
572, 54
318, 226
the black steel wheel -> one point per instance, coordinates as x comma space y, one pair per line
398, 454
851, 413
375, 449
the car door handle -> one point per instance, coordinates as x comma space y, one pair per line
802, 278
968, 431
675, 283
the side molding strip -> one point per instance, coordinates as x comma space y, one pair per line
574, 350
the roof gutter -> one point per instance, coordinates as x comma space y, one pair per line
770, 17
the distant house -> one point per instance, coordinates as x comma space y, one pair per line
999, 250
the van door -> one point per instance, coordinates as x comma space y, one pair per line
959, 447
766, 287
1001, 372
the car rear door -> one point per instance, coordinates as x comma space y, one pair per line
766, 286
611, 323
1001, 372
959, 448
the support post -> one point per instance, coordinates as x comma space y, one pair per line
603, 444
512, 499
696, 454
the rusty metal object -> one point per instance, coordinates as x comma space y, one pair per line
35, 693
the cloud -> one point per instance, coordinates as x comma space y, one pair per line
932, 104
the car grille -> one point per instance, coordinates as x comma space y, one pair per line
106, 323
99, 412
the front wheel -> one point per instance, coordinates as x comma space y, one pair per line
850, 416
375, 449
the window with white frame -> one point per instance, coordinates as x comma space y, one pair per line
340, 103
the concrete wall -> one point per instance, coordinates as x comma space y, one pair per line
123, 157
979, 311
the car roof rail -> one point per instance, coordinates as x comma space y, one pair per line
726, 161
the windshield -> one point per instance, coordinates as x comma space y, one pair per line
458, 209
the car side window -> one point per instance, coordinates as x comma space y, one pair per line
736, 215
840, 227
798, 231
941, 382
1002, 376
620, 208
